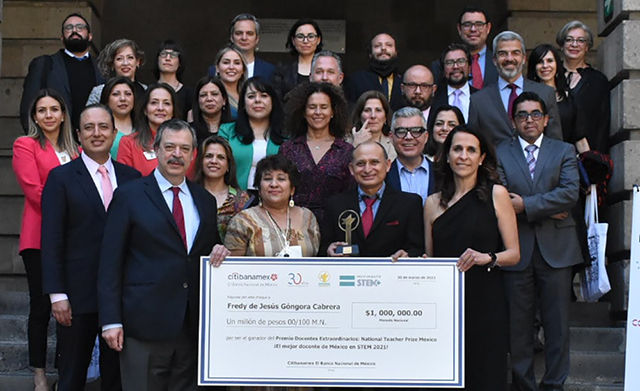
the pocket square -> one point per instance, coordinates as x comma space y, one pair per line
395, 222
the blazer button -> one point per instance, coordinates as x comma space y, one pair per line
185, 285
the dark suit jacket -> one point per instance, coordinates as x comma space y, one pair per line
487, 113
261, 68
56, 79
147, 280
397, 224
554, 189
490, 71
362, 81
440, 98
393, 177
72, 231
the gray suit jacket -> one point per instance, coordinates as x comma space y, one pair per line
554, 189
487, 113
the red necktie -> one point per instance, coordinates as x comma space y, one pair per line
178, 214
512, 96
367, 216
476, 72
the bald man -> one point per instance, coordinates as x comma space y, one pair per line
418, 88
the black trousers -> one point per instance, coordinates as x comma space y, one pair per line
75, 344
39, 309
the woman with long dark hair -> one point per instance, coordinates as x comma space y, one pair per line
443, 120
471, 218
216, 171
210, 107
119, 95
259, 130
545, 66
136, 149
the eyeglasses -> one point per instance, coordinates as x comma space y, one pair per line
309, 37
478, 25
522, 116
413, 86
459, 62
171, 54
79, 27
578, 41
415, 131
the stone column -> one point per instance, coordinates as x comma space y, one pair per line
618, 23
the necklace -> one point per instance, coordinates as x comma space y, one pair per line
319, 143
283, 236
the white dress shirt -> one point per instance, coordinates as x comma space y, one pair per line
465, 98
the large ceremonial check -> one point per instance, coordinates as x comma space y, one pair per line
321, 322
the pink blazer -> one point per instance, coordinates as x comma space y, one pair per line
31, 165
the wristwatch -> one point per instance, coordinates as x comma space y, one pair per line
493, 263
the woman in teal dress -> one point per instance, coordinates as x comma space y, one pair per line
259, 130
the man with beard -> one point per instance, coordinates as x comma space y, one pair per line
455, 91
382, 74
491, 109
418, 88
474, 28
72, 71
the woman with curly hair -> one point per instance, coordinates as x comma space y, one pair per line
121, 57
317, 121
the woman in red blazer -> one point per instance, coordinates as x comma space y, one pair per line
48, 144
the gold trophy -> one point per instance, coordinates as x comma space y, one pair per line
348, 221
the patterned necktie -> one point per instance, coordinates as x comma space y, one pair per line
367, 216
476, 72
178, 214
105, 184
512, 97
456, 99
531, 160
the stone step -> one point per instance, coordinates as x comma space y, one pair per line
11, 208
11, 130
10, 262
11, 88
13, 282
597, 367
593, 387
8, 183
14, 303
602, 339
582, 314
22, 380
14, 328
14, 356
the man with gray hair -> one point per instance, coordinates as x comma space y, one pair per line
244, 33
411, 171
326, 67
158, 227
491, 108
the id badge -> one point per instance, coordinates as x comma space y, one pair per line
149, 155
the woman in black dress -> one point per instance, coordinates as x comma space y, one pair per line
471, 217
170, 65
545, 66
304, 40
589, 86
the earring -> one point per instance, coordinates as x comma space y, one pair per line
259, 201
291, 203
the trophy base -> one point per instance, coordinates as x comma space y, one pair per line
351, 250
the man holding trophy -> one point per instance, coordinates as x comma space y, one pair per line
372, 220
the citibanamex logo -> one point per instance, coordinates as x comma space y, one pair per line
274, 277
